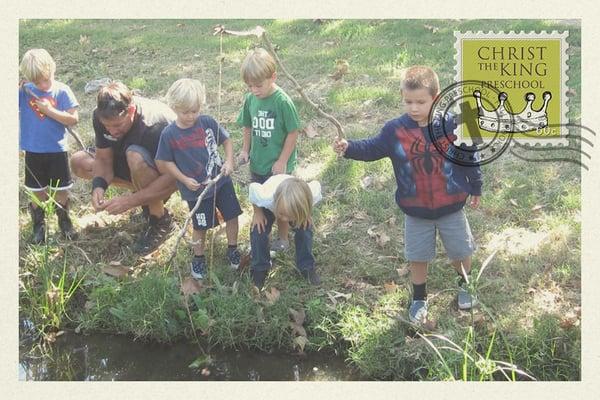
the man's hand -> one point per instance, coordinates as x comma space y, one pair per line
340, 145
475, 201
191, 184
118, 205
227, 168
259, 220
44, 105
98, 199
243, 157
278, 167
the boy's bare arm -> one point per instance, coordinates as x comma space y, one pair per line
68, 118
247, 140
170, 169
288, 147
229, 163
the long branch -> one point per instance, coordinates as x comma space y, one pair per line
261, 33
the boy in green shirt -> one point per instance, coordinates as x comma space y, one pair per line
271, 124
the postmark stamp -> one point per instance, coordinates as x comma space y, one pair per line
528, 71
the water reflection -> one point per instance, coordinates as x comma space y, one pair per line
108, 358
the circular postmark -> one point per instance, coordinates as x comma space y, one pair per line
493, 116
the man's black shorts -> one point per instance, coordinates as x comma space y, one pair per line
47, 169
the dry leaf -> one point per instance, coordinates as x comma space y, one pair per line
530, 291
115, 269
403, 271
301, 341
205, 372
360, 215
391, 221
433, 29
569, 320
366, 181
244, 262
180, 25
382, 239
342, 67
514, 202
390, 287
297, 316
83, 40
537, 207
190, 286
310, 130
272, 295
430, 325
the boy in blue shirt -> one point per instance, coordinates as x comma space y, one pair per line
187, 150
46, 106
431, 192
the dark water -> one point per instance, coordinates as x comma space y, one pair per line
106, 358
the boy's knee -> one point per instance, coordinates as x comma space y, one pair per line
81, 164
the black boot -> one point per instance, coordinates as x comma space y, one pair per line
39, 224
64, 222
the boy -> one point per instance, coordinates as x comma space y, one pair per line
271, 124
187, 150
46, 106
431, 190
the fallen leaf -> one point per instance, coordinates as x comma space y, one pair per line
205, 372
310, 131
537, 207
301, 341
569, 320
342, 67
382, 239
530, 291
366, 181
360, 215
180, 25
391, 221
430, 325
190, 286
390, 287
297, 316
83, 40
433, 29
514, 202
403, 271
272, 295
244, 262
115, 269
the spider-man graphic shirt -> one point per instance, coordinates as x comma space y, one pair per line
429, 186
38, 132
194, 152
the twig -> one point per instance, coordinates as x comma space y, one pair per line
69, 129
209, 184
261, 33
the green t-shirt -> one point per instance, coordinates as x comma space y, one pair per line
271, 119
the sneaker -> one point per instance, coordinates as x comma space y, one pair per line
198, 267
234, 257
465, 299
157, 231
280, 245
141, 216
417, 313
38, 224
65, 224
259, 277
311, 276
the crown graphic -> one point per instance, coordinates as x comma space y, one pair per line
501, 120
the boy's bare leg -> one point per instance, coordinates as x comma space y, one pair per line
41, 195
418, 272
141, 176
199, 238
231, 230
61, 197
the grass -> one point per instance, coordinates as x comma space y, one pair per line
530, 291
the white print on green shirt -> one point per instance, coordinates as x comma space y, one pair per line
262, 124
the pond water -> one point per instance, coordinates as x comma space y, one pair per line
100, 357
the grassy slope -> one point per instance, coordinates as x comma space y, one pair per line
531, 284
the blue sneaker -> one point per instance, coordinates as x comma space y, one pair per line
198, 267
234, 257
417, 313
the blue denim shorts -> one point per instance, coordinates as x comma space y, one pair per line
420, 237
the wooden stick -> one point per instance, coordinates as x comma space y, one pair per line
261, 33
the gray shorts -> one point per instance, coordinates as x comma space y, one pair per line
420, 234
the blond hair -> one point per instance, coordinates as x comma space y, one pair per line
37, 64
421, 77
294, 199
258, 66
186, 95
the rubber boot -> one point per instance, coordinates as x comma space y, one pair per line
64, 222
38, 223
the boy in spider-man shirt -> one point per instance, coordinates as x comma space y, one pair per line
432, 191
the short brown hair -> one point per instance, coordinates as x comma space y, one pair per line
257, 66
421, 77
113, 100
